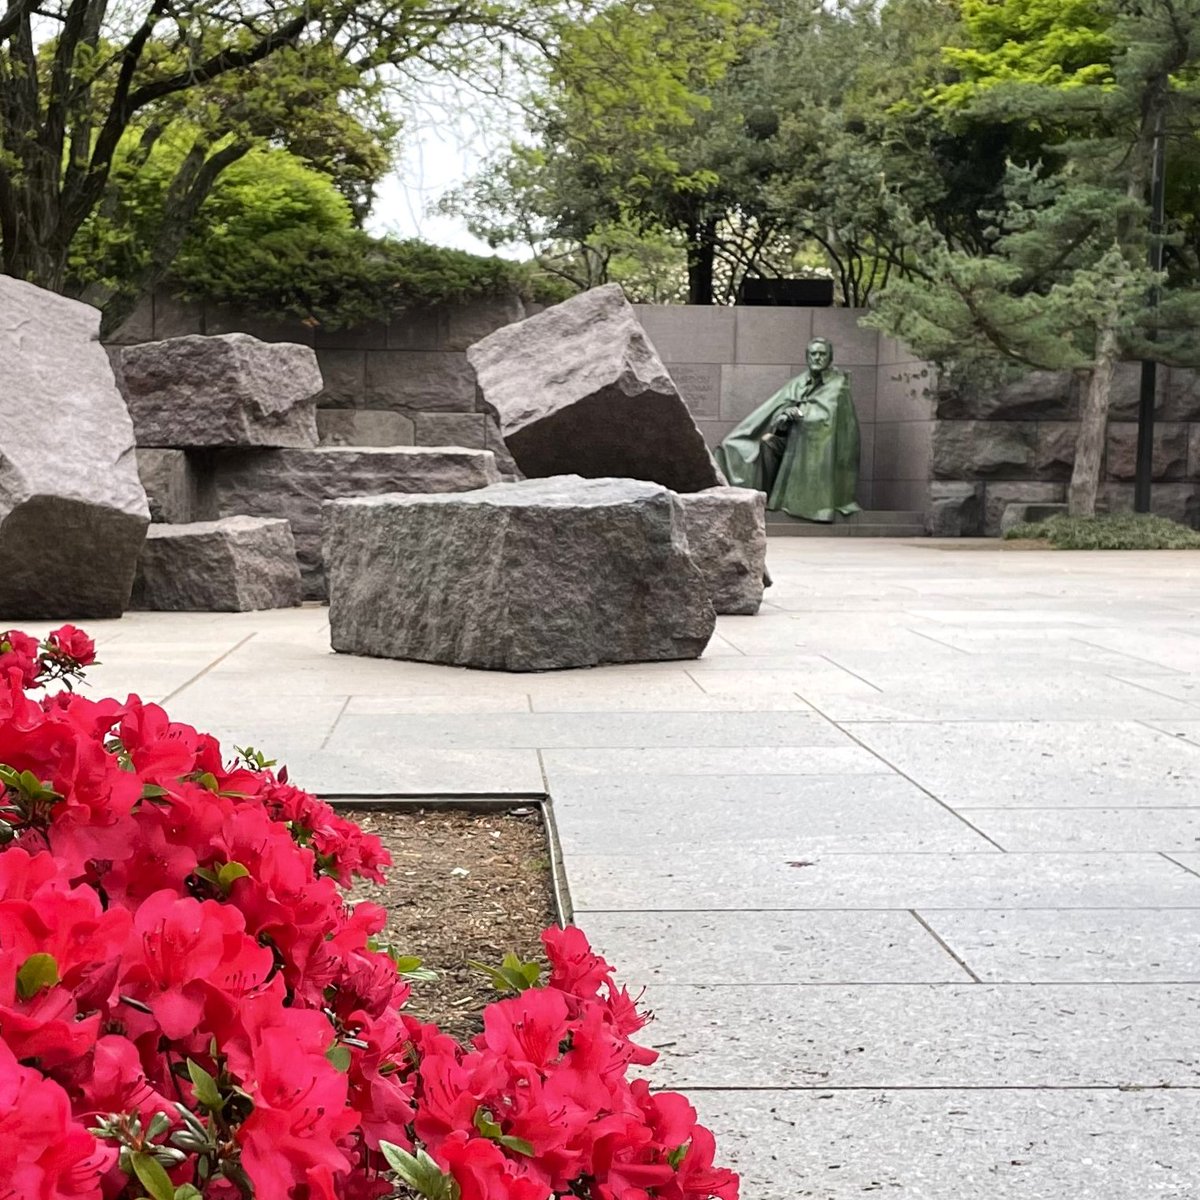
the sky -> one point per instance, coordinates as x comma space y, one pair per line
444, 143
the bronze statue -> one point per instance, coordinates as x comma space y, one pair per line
801, 446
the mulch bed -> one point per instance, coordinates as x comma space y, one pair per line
463, 885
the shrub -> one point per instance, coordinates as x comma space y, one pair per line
190, 1009
1117, 531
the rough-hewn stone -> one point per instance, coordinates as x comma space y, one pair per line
73, 512
450, 429
1028, 514
999, 495
419, 380
727, 536
1054, 458
235, 565
530, 576
955, 510
1180, 394
363, 427
579, 388
984, 449
1170, 459
293, 484
172, 486
1043, 395
229, 390
1178, 501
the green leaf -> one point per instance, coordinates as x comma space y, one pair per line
152, 791
340, 1057
152, 1176
517, 1145
678, 1155
207, 874
421, 1173
209, 780
38, 971
512, 975
228, 873
490, 1128
188, 1191
207, 1092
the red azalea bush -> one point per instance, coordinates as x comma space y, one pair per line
189, 1007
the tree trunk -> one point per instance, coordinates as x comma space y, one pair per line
701, 259
1093, 427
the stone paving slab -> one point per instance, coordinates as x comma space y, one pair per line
771, 948
396, 770
802, 816
989, 691
1098, 946
545, 731
1117, 829
1049, 764
737, 878
926, 1035
958, 1144
847, 759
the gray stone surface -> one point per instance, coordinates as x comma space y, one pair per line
451, 429
1030, 764
226, 390
293, 484
1025, 513
727, 536
773, 948
468, 579
173, 489
810, 815
1039, 395
1170, 450
947, 1145
955, 509
1075, 946
818, 759
1000, 495
363, 427
73, 512
419, 381
579, 389
947, 1035
983, 449
235, 565
730, 878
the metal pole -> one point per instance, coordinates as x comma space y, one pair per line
1145, 442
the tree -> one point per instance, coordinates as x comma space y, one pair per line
89, 89
1061, 280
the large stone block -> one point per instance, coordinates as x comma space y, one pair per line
172, 486
419, 380
984, 449
955, 510
236, 565
228, 390
1170, 458
531, 576
727, 535
1180, 394
1028, 514
1040, 395
579, 389
1178, 501
73, 512
1055, 455
1000, 495
293, 484
363, 427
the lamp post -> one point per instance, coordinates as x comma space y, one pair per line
1145, 441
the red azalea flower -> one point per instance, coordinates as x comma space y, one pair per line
73, 645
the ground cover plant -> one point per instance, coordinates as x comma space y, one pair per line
1115, 531
189, 1008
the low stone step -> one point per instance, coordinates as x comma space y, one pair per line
866, 517
813, 530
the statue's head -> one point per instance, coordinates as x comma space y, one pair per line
819, 355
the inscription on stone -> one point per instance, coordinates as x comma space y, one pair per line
700, 386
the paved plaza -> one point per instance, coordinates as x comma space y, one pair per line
910, 862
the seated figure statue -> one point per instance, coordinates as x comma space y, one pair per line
801, 446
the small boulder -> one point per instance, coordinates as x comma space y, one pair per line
228, 390
579, 389
238, 564
727, 537
73, 512
529, 576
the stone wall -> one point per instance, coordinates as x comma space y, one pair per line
727, 361
1015, 444
407, 381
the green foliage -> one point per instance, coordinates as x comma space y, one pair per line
512, 975
339, 277
1118, 531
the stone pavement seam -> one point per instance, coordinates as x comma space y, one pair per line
200, 674
340, 713
937, 937
1179, 864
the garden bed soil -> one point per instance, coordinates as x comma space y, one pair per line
463, 885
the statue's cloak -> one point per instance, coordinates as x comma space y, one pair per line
815, 473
